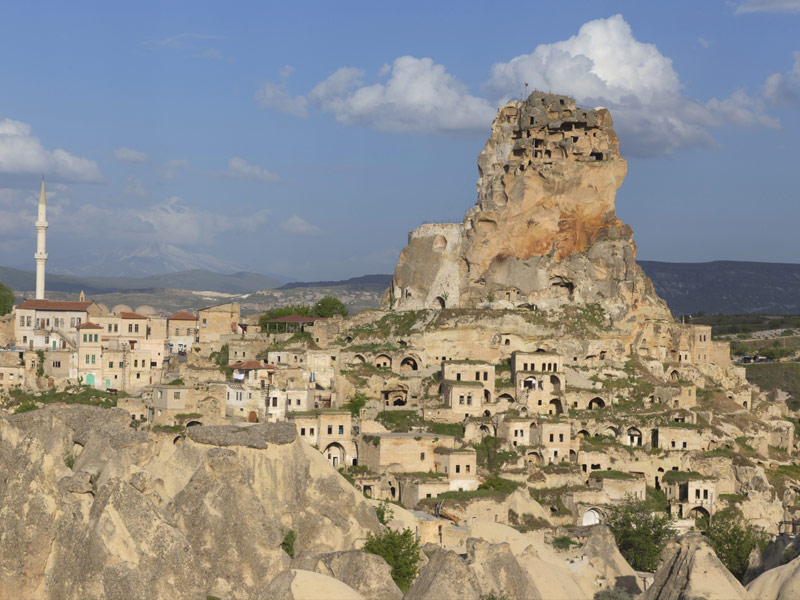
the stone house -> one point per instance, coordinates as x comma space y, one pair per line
50, 324
181, 331
554, 441
464, 397
679, 438
462, 371
539, 381
12, 369
690, 497
168, 401
459, 465
676, 396
217, 321
331, 431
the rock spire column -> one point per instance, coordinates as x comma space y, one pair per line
41, 254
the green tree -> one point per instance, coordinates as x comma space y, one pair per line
356, 403
293, 309
6, 299
640, 534
384, 513
329, 306
733, 539
400, 549
288, 542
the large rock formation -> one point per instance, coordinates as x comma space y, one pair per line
544, 231
781, 583
688, 569
90, 508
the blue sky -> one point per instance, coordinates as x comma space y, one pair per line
306, 140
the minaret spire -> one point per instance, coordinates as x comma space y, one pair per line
41, 254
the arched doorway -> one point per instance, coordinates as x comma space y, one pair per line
529, 383
335, 454
583, 434
556, 383
596, 403
698, 512
252, 417
382, 361
611, 432
90, 379
556, 407
359, 359
634, 437
674, 376
506, 398
592, 517
487, 396
409, 364
487, 413
439, 302
535, 458
193, 424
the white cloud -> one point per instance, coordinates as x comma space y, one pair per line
238, 168
604, 64
128, 155
275, 96
300, 226
176, 222
703, 42
768, 6
420, 96
783, 89
21, 153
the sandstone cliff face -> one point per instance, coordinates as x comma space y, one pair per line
544, 231
138, 516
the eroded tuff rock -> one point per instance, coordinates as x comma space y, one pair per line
780, 583
688, 569
141, 516
544, 230
445, 577
368, 574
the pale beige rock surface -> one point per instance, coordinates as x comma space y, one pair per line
445, 577
139, 516
688, 569
780, 583
296, 584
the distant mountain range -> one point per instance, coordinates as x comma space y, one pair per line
197, 280
711, 287
144, 261
727, 286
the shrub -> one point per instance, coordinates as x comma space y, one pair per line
733, 539
385, 514
400, 549
69, 459
564, 542
640, 535
287, 545
40, 367
329, 306
6, 299
356, 403
26, 406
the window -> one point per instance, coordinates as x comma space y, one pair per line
302, 431
672, 444
697, 493
311, 431
28, 321
422, 456
177, 331
486, 376
341, 429
87, 359
330, 429
136, 328
297, 402
204, 322
138, 376
22, 321
477, 375
116, 327
130, 328
551, 437
120, 364
136, 363
684, 444
458, 468
95, 337
93, 357
24, 339
110, 328
78, 321
84, 337
461, 399
275, 401
705, 494
56, 364
467, 467
560, 437
111, 364
177, 396
458, 376
469, 399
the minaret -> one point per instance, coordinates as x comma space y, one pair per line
41, 255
